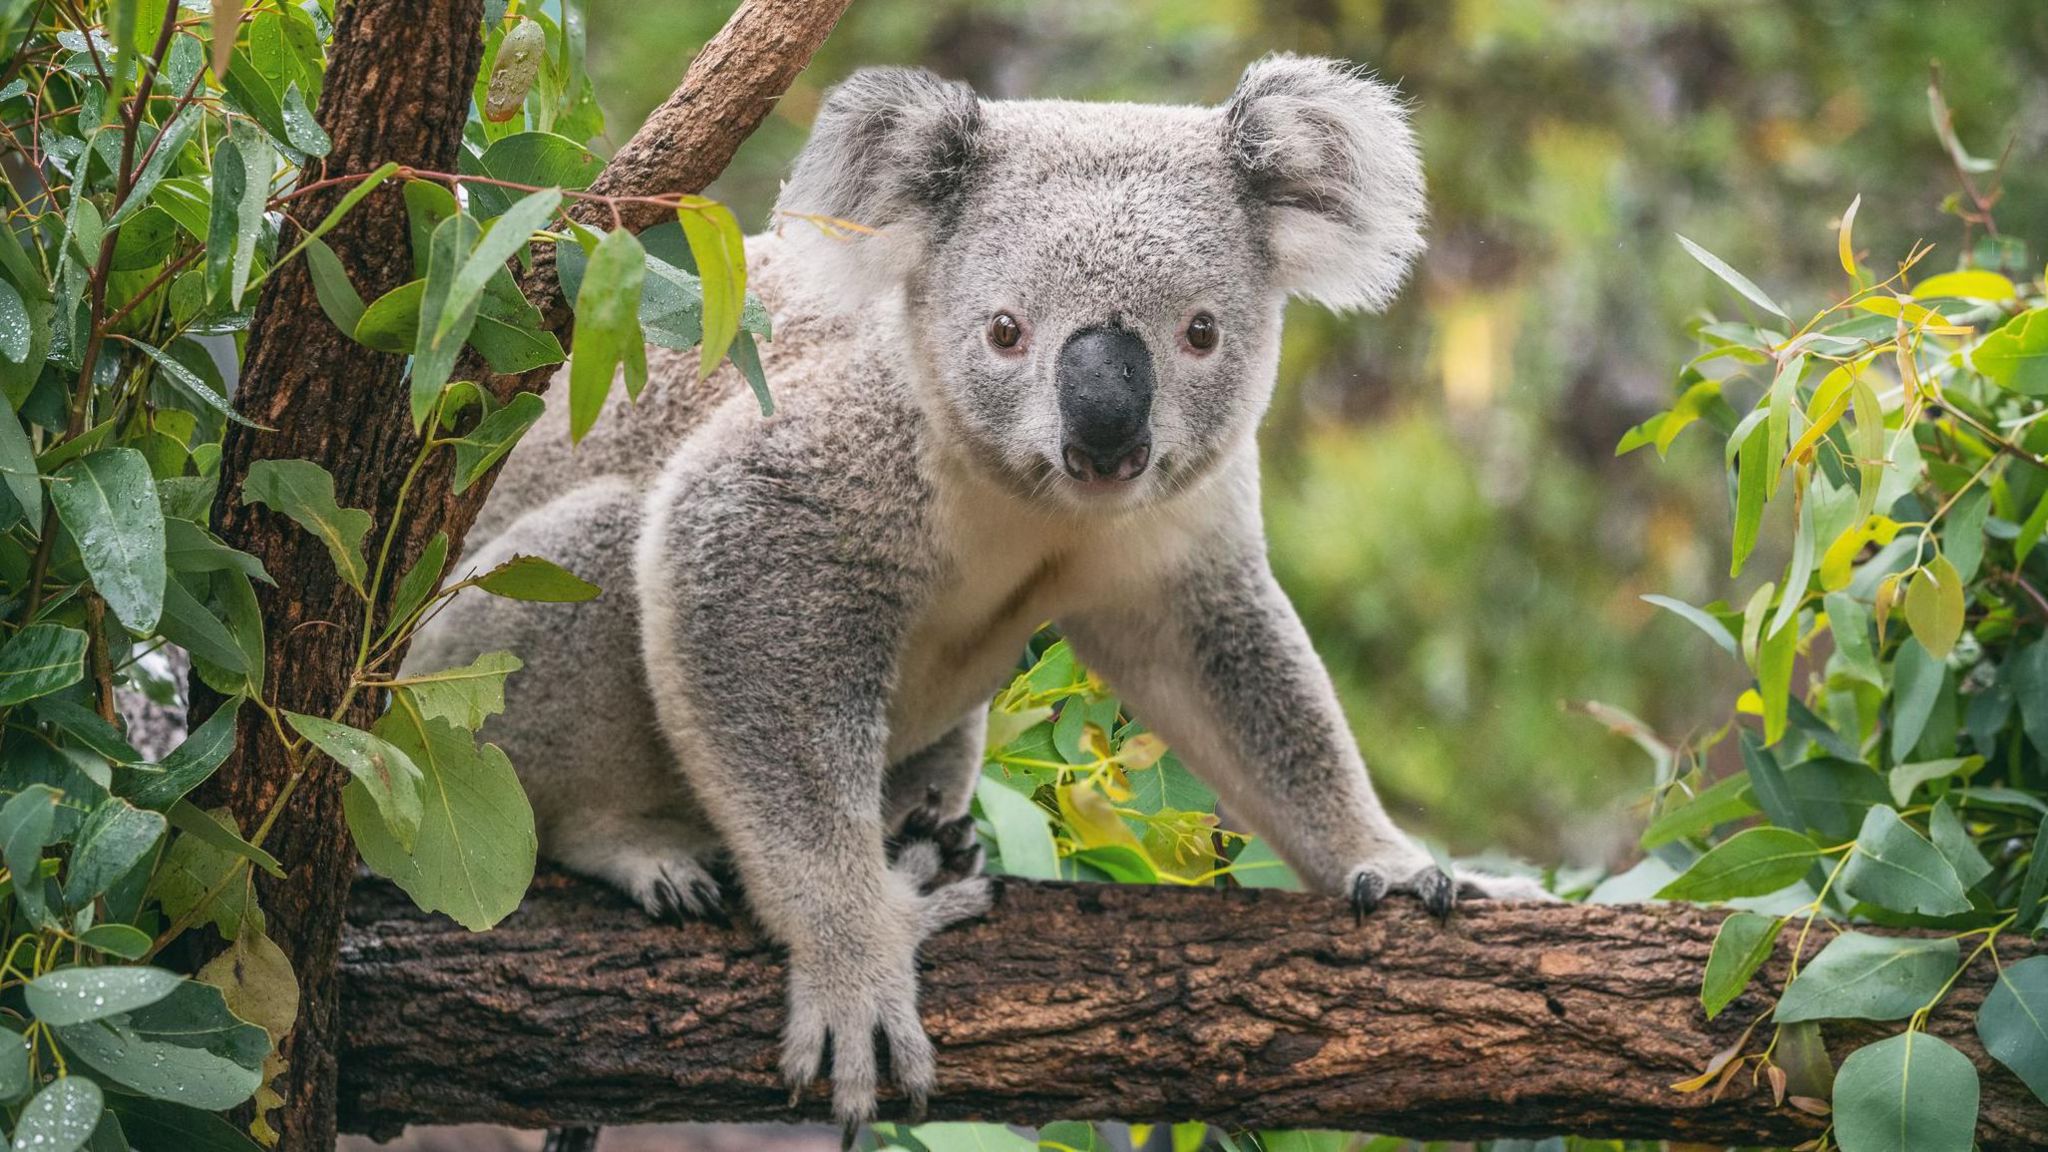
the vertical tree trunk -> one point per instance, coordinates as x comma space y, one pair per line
400, 75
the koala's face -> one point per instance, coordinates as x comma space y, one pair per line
1094, 290
1098, 316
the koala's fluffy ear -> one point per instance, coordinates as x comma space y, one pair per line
890, 152
1329, 152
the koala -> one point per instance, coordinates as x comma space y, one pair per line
1026, 390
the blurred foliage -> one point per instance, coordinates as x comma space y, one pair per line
1566, 141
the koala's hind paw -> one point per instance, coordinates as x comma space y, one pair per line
1438, 893
933, 850
677, 888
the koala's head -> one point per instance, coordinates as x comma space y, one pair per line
1093, 291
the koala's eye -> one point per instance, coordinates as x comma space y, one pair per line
1004, 331
1202, 332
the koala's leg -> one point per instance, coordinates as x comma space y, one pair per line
771, 636
658, 862
1221, 667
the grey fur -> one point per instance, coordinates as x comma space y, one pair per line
805, 615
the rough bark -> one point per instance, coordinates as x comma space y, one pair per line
399, 78
1252, 1008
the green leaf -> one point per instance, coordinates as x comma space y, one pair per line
191, 549
1741, 946
336, 292
1962, 538
538, 159
191, 870
392, 321
1023, 831
474, 855
445, 320
1906, 779
123, 940
1911, 1093
532, 578
1732, 278
1752, 478
2013, 1022
1916, 687
508, 234
418, 583
108, 501
386, 774
40, 659
1698, 618
14, 1070
748, 357
1897, 868
1934, 607
1754, 862
61, 1118
79, 995
259, 164
719, 249
190, 625
1717, 804
165, 147
2015, 356
159, 1126
116, 837
188, 381
15, 326
466, 696
1774, 661
1956, 846
217, 831
510, 349
2025, 672
28, 824
304, 491
187, 1048
494, 436
1864, 977
18, 464
607, 333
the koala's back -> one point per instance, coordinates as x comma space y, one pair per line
633, 440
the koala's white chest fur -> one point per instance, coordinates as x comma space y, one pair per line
1012, 568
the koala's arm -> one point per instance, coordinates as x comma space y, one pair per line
771, 634
1219, 664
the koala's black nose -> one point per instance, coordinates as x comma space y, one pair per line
1105, 384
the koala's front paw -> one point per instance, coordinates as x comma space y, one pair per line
845, 999
1370, 884
848, 993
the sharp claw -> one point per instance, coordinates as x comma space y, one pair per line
847, 1135
920, 1105
1438, 894
796, 1095
1367, 889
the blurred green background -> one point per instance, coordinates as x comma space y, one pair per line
1443, 498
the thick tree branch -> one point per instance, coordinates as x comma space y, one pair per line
1256, 1008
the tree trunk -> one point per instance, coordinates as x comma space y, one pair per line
1252, 1007
399, 79
399, 84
